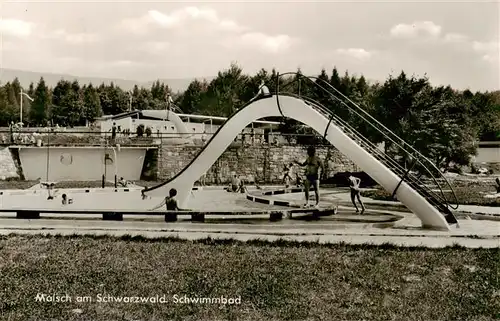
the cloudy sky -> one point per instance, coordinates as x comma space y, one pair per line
453, 43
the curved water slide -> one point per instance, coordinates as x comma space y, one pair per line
179, 124
170, 116
299, 109
411, 166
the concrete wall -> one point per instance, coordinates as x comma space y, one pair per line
490, 154
81, 163
157, 126
8, 167
263, 164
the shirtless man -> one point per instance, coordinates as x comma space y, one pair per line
235, 184
313, 165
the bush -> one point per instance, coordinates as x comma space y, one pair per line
140, 130
467, 192
148, 131
379, 194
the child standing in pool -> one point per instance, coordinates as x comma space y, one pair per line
170, 201
287, 174
354, 183
313, 166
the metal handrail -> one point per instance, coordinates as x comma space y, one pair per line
373, 122
374, 148
415, 152
394, 166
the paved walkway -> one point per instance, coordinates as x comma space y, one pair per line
330, 195
406, 232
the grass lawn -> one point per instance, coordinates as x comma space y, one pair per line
468, 193
276, 281
472, 192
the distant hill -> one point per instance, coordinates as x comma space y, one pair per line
26, 77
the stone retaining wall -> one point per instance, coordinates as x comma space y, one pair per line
261, 164
8, 168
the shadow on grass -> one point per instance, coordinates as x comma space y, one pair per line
229, 241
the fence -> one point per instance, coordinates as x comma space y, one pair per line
52, 137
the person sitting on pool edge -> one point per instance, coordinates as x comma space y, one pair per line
242, 188
354, 183
66, 200
123, 182
313, 166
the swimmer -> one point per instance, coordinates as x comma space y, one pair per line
313, 166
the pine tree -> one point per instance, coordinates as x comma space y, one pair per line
11, 109
345, 84
62, 100
75, 105
143, 98
322, 92
335, 79
16, 89
156, 90
362, 86
91, 104
41, 103
135, 97
4, 114
272, 80
13, 105
105, 100
192, 97
31, 90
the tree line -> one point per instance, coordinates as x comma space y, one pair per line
70, 104
441, 122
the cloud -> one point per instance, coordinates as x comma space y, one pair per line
428, 28
485, 46
266, 43
134, 25
73, 38
124, 63
177, 19
203, 27
230, 25
166, 21
491, 58
8, 46
156, 46
15, 27
357, 53
455, 38
489, 51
